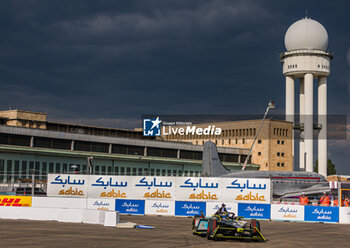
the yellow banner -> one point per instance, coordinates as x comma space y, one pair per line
15, 201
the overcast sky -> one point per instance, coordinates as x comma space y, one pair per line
109, 62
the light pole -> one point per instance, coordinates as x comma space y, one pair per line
271, 105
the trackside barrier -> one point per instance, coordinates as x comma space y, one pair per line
213, 207
254, 211
90, 210
92, 216
153, 207
185, 208
61, 202
130, 206
101, 204
247, 190
61, 215
344, 215
287, 212
111, 218
321, 214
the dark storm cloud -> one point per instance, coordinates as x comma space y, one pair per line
108, 62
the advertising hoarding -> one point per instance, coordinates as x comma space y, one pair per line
15, 201
109, 186
130, 206
198, 189
186, 208
321, 214
287, 212
153, 188
155, 207
246, 190
101, 204
254, 211
65, 185
212, 207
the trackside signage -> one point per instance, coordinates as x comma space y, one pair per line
130, 206
101, 204
108, 187
344, 215
198, 189
213, 207
321, 214
254, 211
15, 201
186, 208
64, 185
160, 207
287, 212
244, 190
161, 188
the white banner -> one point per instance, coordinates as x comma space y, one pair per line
101, 204
110, 186
212, 207
153, 188
246, 190
160, 207
344, 215
64, 185
287, 212
198, 189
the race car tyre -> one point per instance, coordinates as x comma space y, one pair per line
211, 228
194, 223
253, 224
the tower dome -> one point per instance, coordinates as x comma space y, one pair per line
306, 34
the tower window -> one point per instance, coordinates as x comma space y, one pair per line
259, 153
278, 154
278, 142
278, 164
259, 141
282, 164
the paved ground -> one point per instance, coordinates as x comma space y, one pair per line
168, 232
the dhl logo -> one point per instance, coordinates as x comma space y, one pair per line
15, 201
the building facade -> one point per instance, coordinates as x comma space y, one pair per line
56, 147
272, 149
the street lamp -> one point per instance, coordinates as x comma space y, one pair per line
271, 105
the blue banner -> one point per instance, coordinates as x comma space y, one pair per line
321, 214
254, 211
130, 206
185, 208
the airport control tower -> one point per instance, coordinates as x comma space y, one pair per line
305, 60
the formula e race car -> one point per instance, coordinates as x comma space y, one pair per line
227, 226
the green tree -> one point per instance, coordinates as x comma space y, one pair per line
330, 167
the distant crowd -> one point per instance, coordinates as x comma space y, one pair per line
325, 201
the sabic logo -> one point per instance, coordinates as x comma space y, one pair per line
151, 127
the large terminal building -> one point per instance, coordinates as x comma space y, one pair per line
31, 144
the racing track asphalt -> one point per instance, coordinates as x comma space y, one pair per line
168, 232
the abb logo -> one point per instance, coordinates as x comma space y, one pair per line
13, 202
